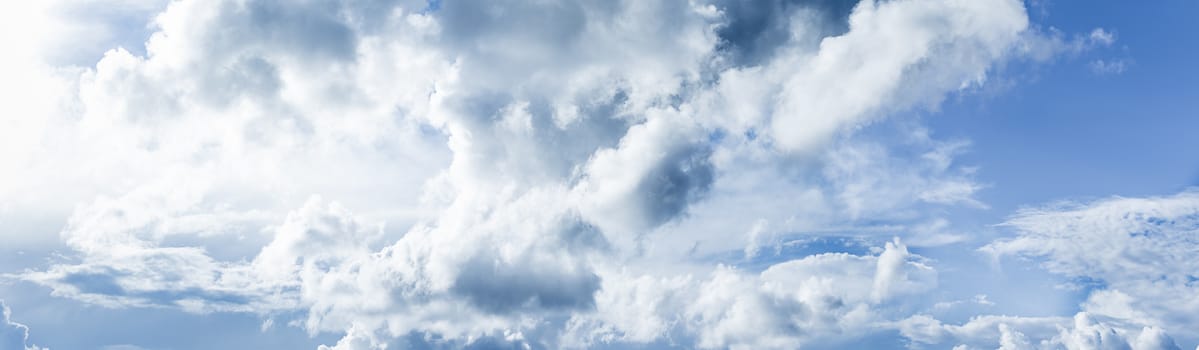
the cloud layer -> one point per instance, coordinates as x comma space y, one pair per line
554, 174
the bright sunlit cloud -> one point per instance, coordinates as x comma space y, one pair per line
577, 174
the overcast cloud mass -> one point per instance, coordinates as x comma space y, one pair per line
715, 174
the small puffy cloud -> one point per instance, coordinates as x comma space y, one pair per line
1153, 338
1109, 66
1086, 334
355, 339
1101, 36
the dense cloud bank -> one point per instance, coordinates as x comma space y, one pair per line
553, 174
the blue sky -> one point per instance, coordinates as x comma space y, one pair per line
1089, 135
678, 174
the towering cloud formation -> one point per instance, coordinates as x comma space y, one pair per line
545, 174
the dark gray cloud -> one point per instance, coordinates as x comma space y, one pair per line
755, 30
680, 179
502, 287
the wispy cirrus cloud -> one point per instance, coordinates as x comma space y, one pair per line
13, 335
1137, 250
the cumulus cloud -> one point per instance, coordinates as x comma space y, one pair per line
523, 173
811, 299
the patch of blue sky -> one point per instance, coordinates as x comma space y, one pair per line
432, 6
1067, 131
795, 246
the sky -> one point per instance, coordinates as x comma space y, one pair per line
700, 174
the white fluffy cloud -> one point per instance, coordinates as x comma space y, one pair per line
817, 296
525, 173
